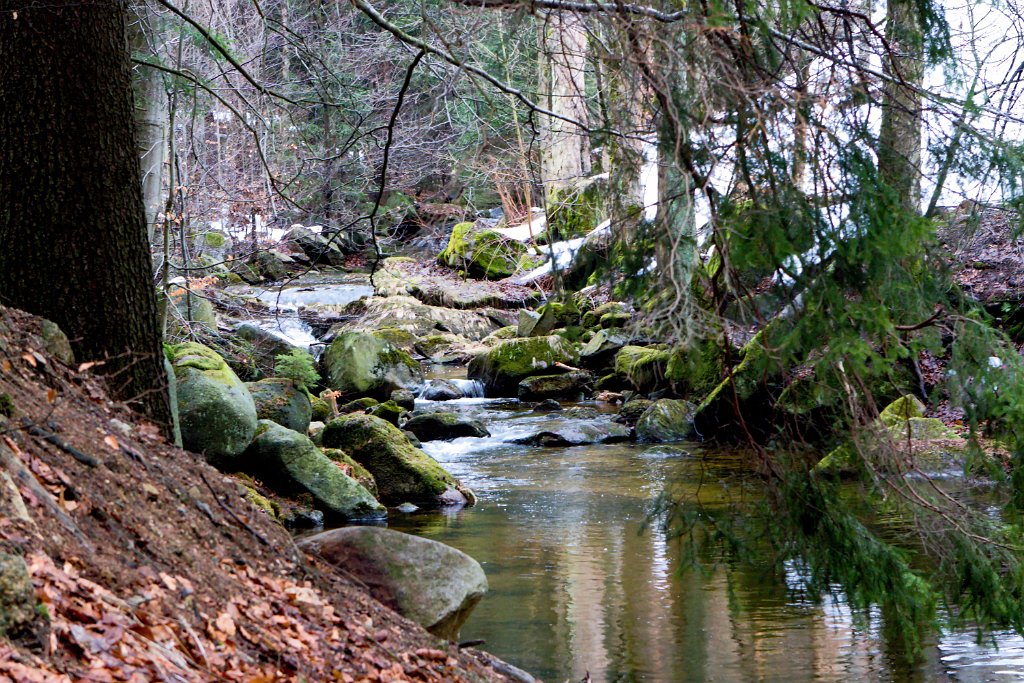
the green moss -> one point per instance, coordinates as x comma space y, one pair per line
214, 239
398, 338
901, 410
593, 317
6, 405
643, 366
263, 503
696, 370
321, 409
359, 405
389, 410
484, 253
353, 469
402, 472
574, 212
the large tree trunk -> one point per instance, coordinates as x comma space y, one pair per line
71, 217
565, 145
899, 144
151, 115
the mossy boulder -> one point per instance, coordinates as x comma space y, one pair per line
615, 320
418, 319
570, 386
217, 413
405, 399
360, 405
17, 595
665, 420
353, 469
444, 426
357, 363
592, 318
321, 410
389, 410
901, 410
484, 253
643, 367
551, 316
280, 400
317, 248
500, 335
190, 309
399, 338
293, 465
505, 365
697, 369
428, 582
55, 342
267, 266
630, 412
403, 473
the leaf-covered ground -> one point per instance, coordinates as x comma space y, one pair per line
148, 565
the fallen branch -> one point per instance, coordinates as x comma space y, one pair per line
231, 513
36, 430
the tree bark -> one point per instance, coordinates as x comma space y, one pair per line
72, 221
151, 115
899, 142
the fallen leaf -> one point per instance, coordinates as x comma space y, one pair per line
51, 395
111, 442
29, 358
225, 624
6, 365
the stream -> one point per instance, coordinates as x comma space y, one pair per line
582, 580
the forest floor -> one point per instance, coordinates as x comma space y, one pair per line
150, 565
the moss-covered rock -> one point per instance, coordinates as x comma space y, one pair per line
570, 386
261, 502
55, 342
696, 370
642, 366
901, 410
357, 363
405, 399
592, 318
17, 595
481, 252
283, 402
666, 420
360, 405
444, 426
292, 464
501, 334
403, 473
399, 338
615, 320
190, 309
353, 469
426, 581
320, 410
508, 363
389, 410
267, 266
602, 346
217, 413
631, 411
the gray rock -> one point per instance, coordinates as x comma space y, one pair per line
56, 342
280, 400
405, 399
292, 465
317, 248
549, 405
440, 390
433, 584
217, 413
602, 347
444, 426
578, 434
570, 386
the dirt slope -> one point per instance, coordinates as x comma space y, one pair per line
149, 566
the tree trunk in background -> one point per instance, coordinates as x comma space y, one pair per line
899, 143
565, 146
71, 221
151, 115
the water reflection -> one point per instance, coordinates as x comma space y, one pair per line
576, 587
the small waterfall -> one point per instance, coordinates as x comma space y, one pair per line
470, 388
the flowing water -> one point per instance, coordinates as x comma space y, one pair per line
579, 583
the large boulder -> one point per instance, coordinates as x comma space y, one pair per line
441, 390
665, 420
420, 320
280, 400
484, 253
602, 347
444, 426
317, 248
570, 386
403, 473
508, 363
293, 465
357, 363
642, 366
216, 411
433, 584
